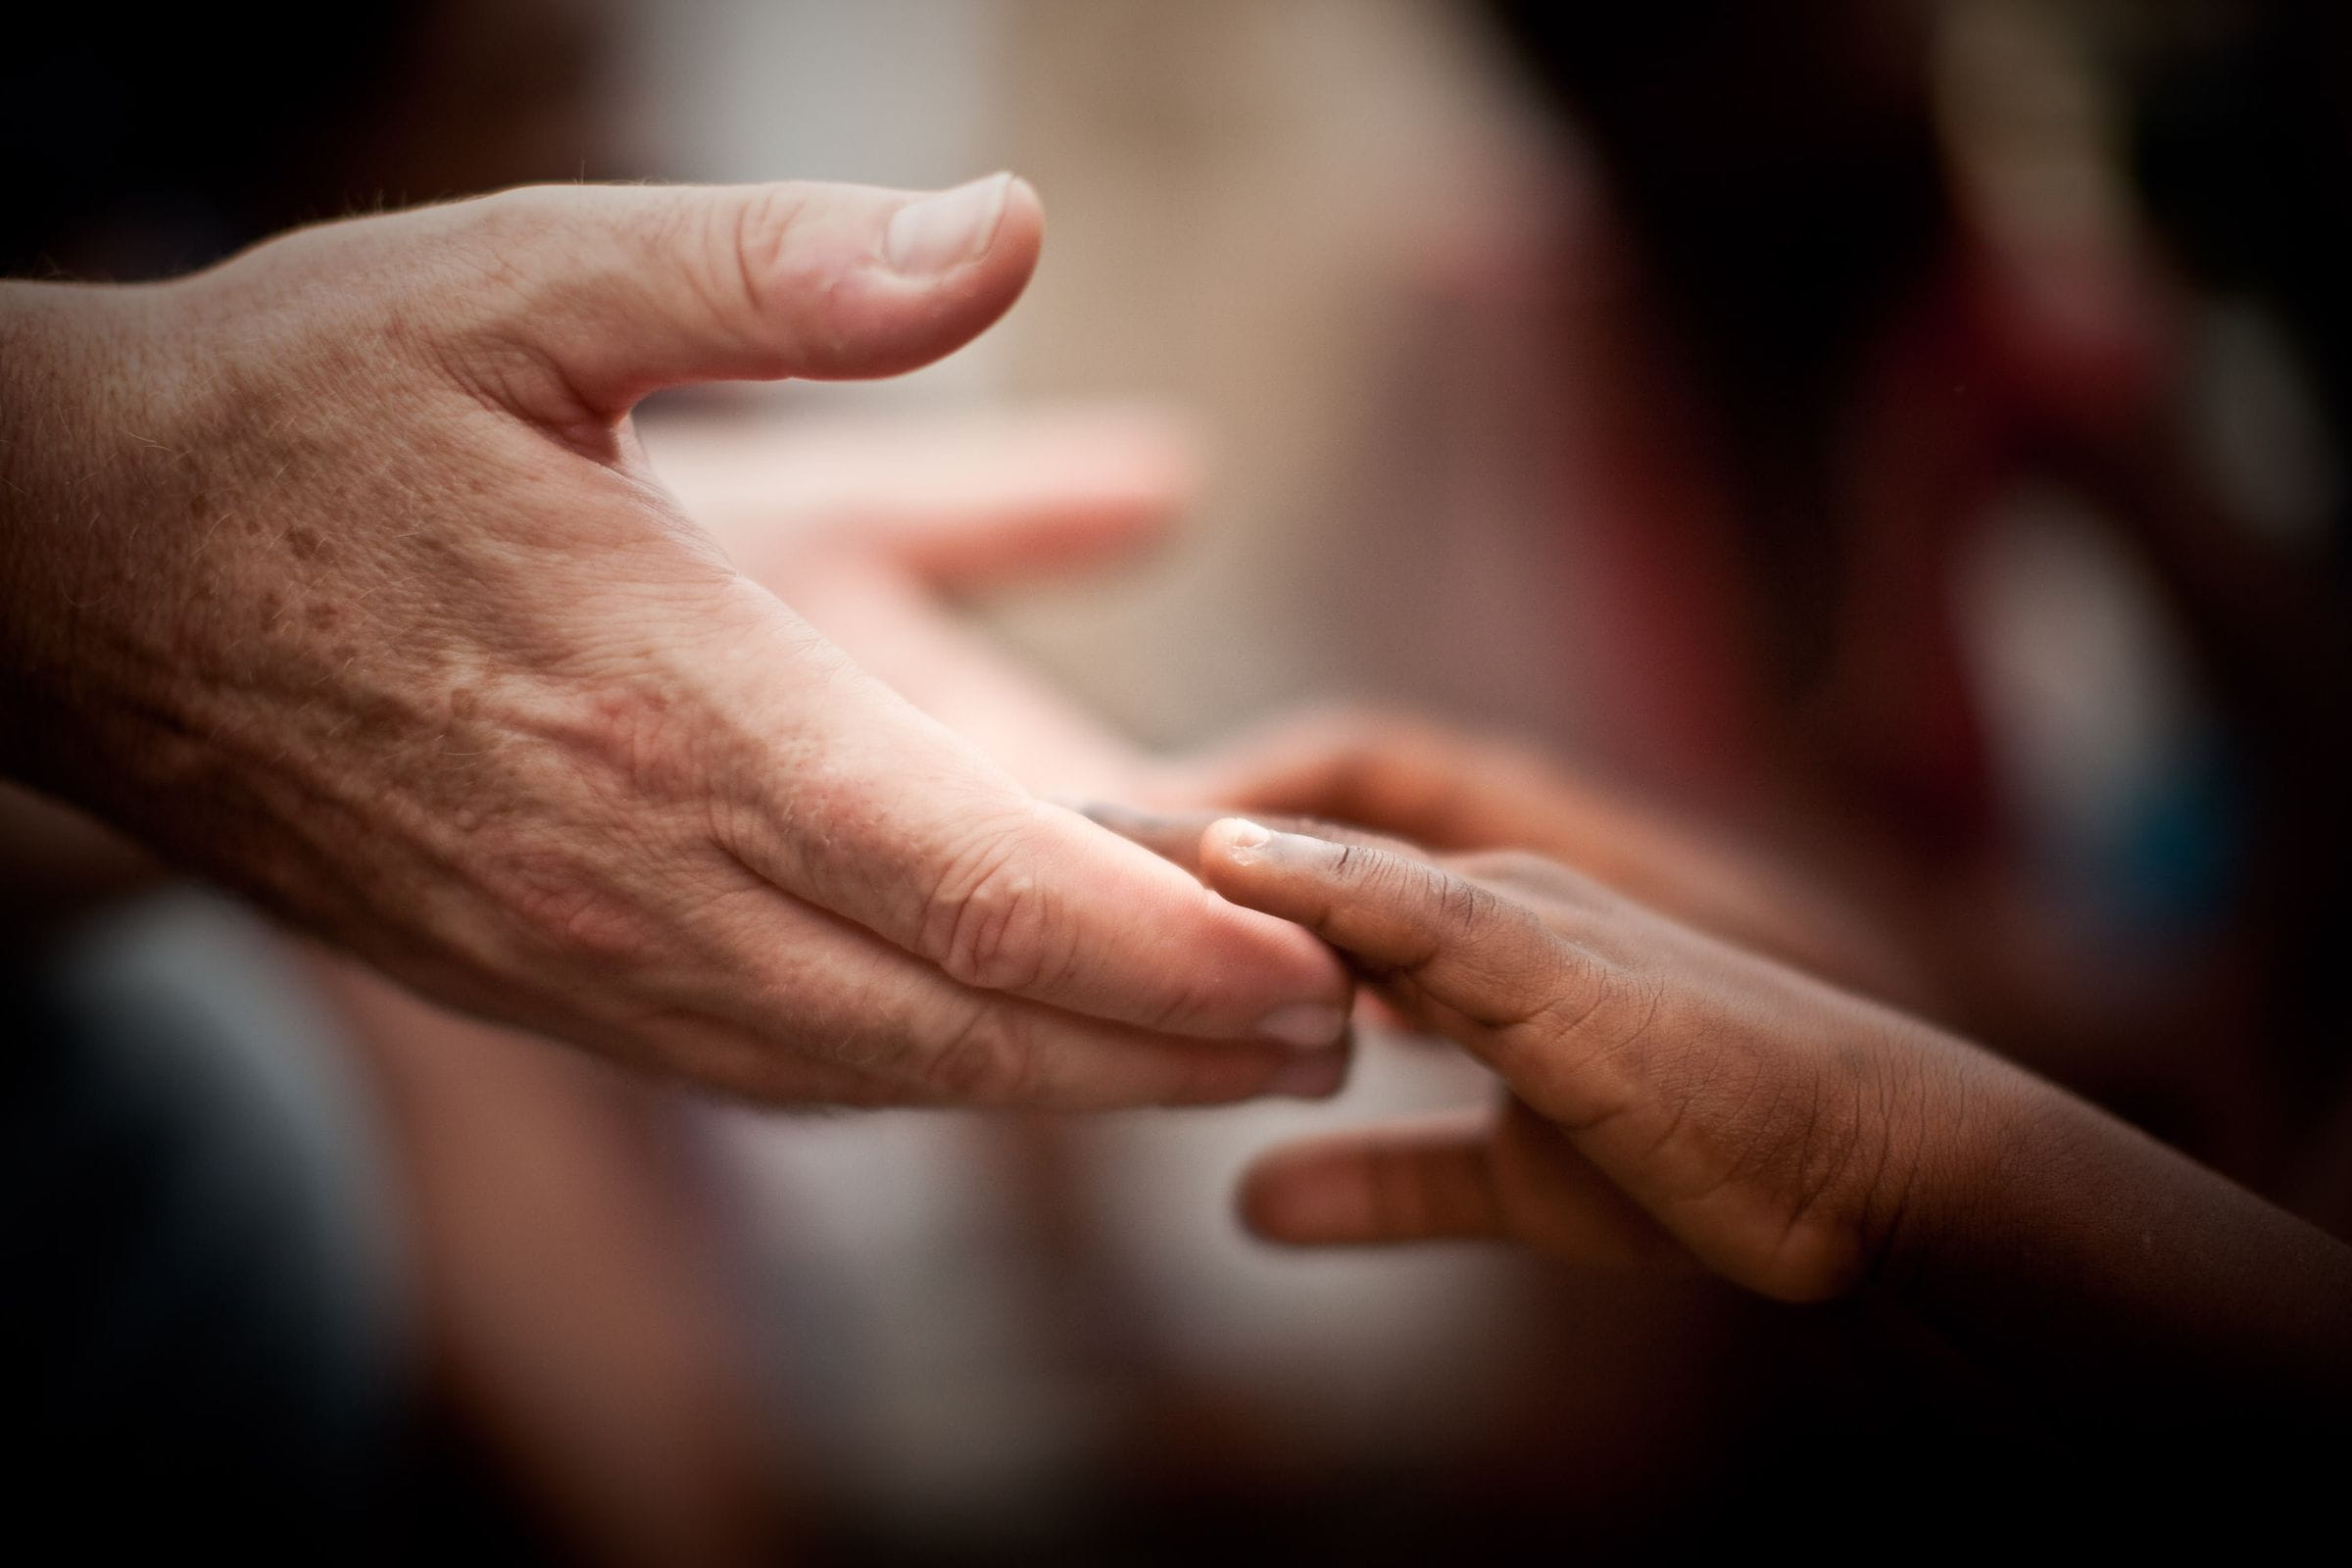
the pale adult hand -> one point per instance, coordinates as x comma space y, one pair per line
336, 573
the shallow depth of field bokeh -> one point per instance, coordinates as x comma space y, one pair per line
1912, 436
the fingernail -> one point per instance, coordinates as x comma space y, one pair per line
1307, 1025
1314, 1077
937, 233
1241, 834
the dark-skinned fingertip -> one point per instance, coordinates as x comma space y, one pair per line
1250, 1205
1273, 1207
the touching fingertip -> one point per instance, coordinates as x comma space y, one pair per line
1238, 837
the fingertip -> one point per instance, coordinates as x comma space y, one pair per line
938, 269
1299, 1197
1286, 875
1234, 840
1025, 213
1011, 255
992, 222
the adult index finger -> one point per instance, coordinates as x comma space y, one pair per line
1514, 990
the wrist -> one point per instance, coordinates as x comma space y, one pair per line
2074, 1255
2002, 1168
70, 356
78, 435
1950, 1125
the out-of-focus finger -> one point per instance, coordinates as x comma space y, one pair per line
958, 504
1391, 773
1465, 1175
898, 632
1404, 1183
1039, 493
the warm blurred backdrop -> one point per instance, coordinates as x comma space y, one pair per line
1908, 435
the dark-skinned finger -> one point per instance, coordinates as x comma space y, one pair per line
1408, 1183
1489, 959
1461, 1176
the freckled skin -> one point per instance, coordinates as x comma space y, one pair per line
395, 632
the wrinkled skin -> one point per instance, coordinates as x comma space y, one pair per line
1671, 1097
1674, 1099
1404, 775
337, 573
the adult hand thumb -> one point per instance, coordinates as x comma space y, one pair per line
623, 290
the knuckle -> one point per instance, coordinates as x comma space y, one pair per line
1815, 1257
1461, 907
631, 736
568, 917
985, 1061
1823, 1248
754, 246
1573, 1027
1609, 1020
498, 232
770, 270
990, 923
501, 218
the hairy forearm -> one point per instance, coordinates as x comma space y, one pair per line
2078, 1258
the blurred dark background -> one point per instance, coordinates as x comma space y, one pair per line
1911, 435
